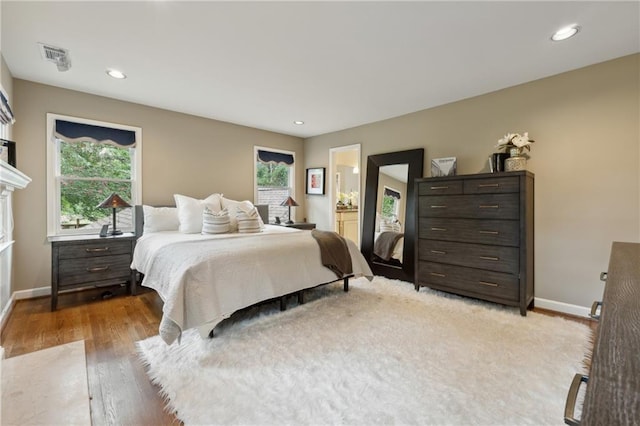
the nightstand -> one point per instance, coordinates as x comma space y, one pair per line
89, 260
298, 225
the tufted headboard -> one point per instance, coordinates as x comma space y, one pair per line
263, 211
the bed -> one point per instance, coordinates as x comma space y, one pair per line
203, 279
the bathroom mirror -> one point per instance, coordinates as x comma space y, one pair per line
389, 228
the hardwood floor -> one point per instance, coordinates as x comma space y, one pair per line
120, 390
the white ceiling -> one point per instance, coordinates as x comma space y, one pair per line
334, 65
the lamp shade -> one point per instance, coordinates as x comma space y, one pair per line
113, 202
289, 202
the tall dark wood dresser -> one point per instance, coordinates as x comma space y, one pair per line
475, 236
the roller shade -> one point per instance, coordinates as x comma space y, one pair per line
391, 193
275, 157
70, 131
6, 115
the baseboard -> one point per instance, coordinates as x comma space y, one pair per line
18, 295
565, 308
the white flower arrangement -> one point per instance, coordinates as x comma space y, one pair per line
515, 140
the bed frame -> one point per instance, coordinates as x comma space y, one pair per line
263, 211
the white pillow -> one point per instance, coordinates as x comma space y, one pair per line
190, 211
158, 219
249, 221
215, 223
237, 206
390, 224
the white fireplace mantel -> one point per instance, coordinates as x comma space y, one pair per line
10, 180
11, 177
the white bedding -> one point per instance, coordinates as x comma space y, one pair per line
203, 279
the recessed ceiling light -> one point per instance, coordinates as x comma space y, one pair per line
298, 122
116, 74
565, 33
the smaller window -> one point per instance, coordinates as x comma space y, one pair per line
390, 202
274, 177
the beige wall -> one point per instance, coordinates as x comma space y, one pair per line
586, 159
181, 154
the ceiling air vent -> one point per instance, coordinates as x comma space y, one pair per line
57, 55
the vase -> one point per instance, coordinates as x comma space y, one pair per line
512, 164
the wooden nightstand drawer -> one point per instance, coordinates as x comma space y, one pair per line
97, 248
88, 260
82, 270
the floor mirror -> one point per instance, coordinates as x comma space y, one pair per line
389, 228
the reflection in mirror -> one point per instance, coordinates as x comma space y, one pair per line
388, 240
388, 231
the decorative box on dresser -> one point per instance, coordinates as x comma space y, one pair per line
90, 260
475, 236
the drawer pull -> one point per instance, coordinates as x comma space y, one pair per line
489, 206
438, 252
439, 229
489, 185
489, 232
436, 274
572, 397
594, 310
603, 276
439, 187
488, 283
96, 250
438, 207
489, 258
98, 269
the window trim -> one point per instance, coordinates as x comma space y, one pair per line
54, 228
292, 176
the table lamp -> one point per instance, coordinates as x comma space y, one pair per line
289, 202
113, 202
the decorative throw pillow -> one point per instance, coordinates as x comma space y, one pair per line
190, 211
234, 207
215, 222
389, 224
158, 219
249, 221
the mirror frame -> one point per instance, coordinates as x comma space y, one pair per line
415, 159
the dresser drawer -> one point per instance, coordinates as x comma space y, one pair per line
439, 187
492, 185
475, 282
499, 232
492, 258
95, 248
486, 206
90, 269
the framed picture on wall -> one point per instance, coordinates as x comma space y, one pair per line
315, 181
8, 152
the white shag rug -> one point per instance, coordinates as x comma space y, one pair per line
380, 354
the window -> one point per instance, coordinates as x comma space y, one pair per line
390, 202
86, 162
274, 178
